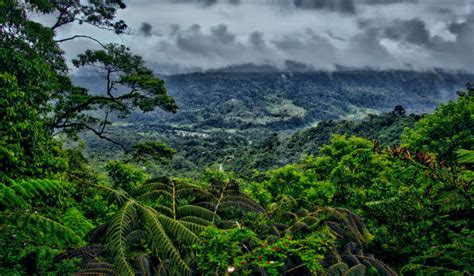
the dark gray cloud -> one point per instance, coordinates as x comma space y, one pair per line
412, 31
183, 35
219, 42
146, 28
256, 40
347, 6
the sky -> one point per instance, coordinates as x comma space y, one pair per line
177, 36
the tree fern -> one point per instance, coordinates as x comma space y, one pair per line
117, 232
177, 229
161, 242
197, 211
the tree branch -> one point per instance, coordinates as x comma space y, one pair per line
99, 134
80, 36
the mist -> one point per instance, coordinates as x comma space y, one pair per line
196, 35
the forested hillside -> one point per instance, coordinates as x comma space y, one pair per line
385, 195
287, 100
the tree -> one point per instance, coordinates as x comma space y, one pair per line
38, 98
399, 110
448, 129
129, 86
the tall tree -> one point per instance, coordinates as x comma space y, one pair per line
38, 97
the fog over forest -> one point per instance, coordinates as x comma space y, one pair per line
194, 35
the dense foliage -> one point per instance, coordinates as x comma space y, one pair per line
391, 193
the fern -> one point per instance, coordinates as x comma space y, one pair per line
160, 240
195, 220
193, 210
357, 270
16, 194
117, 233
178, 230
336, 269
465, 156
38, 187
9, 199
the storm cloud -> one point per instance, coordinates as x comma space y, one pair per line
187, 35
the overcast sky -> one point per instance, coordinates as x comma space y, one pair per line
181, 35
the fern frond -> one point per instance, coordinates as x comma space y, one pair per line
160, 240
9, 199
453, 201
120, 226
37, 187
208, 205
465, 156
187, 191
196, 220
164, 210
357, 270
302, 213
55, 227
194, 227
336, 269
244, 201
119, 195
86, 253
381, 267
197, 211
352, 223
238, 205
156, 194
41, 223
351, 260
290, 215
149, 187
178, 230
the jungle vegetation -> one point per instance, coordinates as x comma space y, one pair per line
391, 194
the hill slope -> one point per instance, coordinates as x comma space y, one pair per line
285, 100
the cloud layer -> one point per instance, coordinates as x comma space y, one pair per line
185, 35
